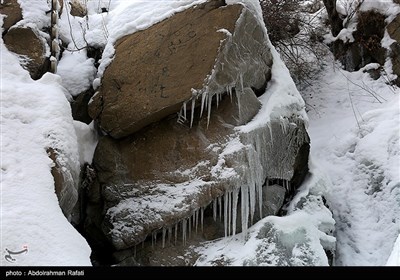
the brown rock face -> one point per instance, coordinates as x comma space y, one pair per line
25, 42
154, 71
12, 11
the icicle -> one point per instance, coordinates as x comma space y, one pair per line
252, 192
270, 132
184, 231
226, 215
169, 235
201, 217
238, 101
152, 240
184, 111
260, 198
241, 82
218, 96
244, 210
235, 197
190, 227
164, 232
230, 92
197, 219
192, 112
229, 212
220, 208
176, 232
193, 219
215, 210
209, 109
203, 98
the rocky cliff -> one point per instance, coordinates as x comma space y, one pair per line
365, 33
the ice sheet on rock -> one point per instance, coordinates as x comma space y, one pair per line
149, 209
296, 239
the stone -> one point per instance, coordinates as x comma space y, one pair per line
26, 43
12, 11
77, 8
155, 71
79, 107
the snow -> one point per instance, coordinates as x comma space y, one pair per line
354, 127
298, 239
77, 71
35, 115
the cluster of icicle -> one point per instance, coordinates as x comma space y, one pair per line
55, 47
224, 208
206, 97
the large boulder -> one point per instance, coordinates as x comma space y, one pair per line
203, 49
26, 43
12, 11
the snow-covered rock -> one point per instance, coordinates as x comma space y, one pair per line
166, 178
36, 118
196, 54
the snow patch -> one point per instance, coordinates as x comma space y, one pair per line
35, 115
